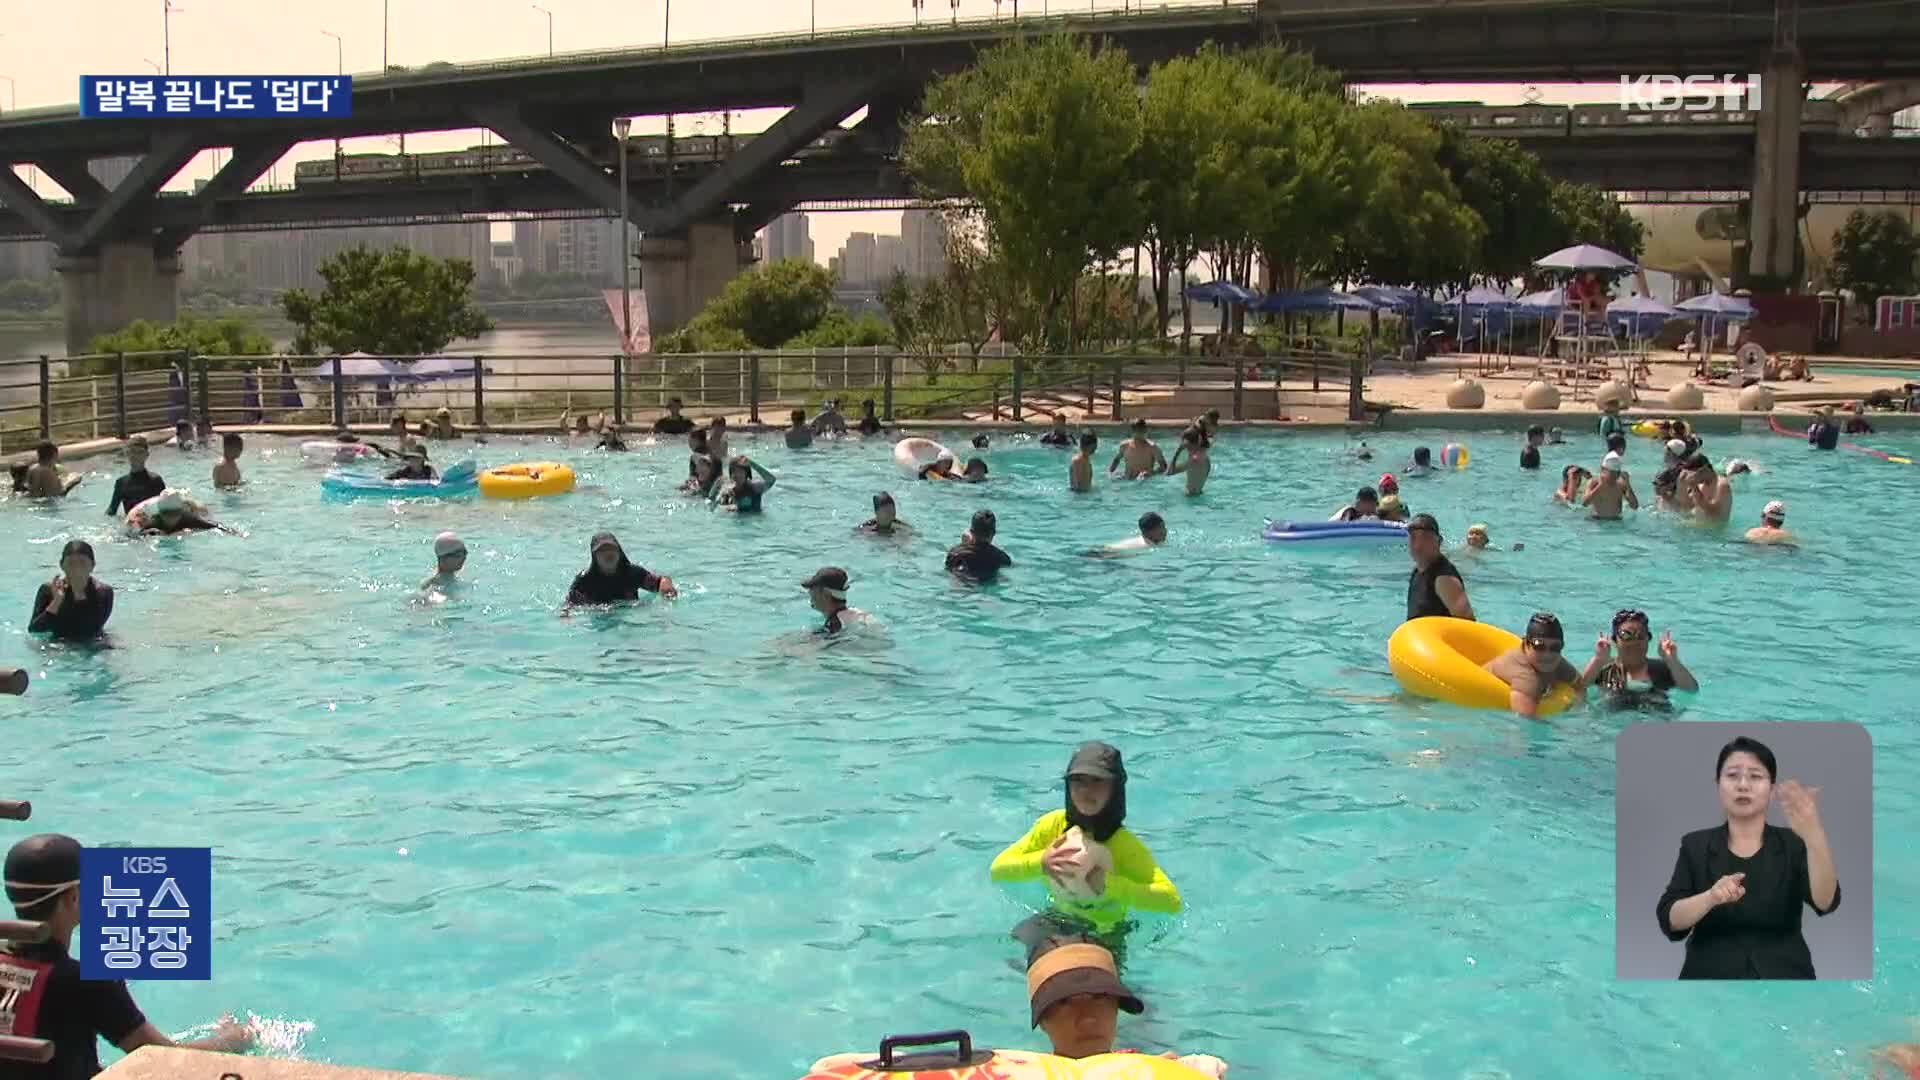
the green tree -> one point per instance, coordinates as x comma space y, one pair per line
1875, 255
395, 302
29, 295
1513, 196
1592, 216
839, 330
1411, 227
771, 304
1042, 134
189, 333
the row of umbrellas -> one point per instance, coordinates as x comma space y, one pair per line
360, 365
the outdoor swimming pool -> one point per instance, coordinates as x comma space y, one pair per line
685, 840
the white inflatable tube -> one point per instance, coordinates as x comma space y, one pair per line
331, 450
912, 455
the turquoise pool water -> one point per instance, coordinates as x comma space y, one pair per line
1906, 374
481, 840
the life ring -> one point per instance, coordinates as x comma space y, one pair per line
1368, 532
459, 479
526, 481
141, 517
331, 450
1454, 456
1438, 657
1648, 429
1003, 1065
912, 455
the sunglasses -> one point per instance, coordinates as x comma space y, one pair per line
1545, 644
1631, 635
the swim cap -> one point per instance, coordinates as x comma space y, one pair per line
1477, 527
447, 544
1775, 511
1546, 627
40, 868
1676, 447
169, 500
1610, 463
831, 578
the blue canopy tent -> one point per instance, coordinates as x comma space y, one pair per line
1219, 291
435, 368
1482, 311
1416, 309
360, 366
1715, 305
1640, 316
1320, 300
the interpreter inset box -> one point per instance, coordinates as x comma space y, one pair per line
1743, 851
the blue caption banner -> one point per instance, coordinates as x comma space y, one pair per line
216, 95
144, 913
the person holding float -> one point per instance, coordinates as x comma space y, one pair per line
1096, 870
74, 606
1738, 888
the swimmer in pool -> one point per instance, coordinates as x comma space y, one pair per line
449, 555
1635, 681
799, 435
1536, 667
980, 441
171, 513
1192, 458
1392, 509
1096, 803
827, 592
18, 471
717, 439
1771, 529
940, 469
1554, 438
747, 484
703, 470
1708, 491
1604, 493
1363, 452
1210, 427
1080, 469
1388, 485
869, 422
1153, 533
1422, 462
183, 435
44, 478
1739, 467
416, 467
885, 520
1479, 540
612, 577
976, 471
1573, 480
829, 422
1365, 504
226, 474
1141, 455
1057, 435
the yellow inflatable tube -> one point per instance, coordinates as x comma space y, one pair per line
1013, 1065
526, 481
1649, 429
1440, 658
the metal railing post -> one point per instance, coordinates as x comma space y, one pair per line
1356, 376
206, 401
619, 390
46, 397
753, 389
120, 394
886, 390
1019, 387
339, 396
1239, 390
480, 392
1116, 390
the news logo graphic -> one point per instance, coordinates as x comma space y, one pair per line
1691, 93
231, 96
144, 913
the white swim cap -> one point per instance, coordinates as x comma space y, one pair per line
1775, 511
168, 501
1676, 447
1610, 463
447, 543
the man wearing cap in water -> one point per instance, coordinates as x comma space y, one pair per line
1606, 492
1435, 588
886, 518
1075, 995
416, 467
1704, 490
827, 592
1770, 530
45, 998
449, 555
1536, 667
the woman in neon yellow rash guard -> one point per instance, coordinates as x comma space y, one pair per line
1096, 801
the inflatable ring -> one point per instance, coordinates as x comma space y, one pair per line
333, 450
1438, 657
912, 455
1647, 429
140, 517
1005, 1065
1365, 531
1454, 456
459, 479
526, 481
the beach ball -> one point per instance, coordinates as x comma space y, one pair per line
1454, 456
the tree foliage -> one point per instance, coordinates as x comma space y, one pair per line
395, 302
189, 333
1593, 216
1875, 255
24, 295
769, 305
1512, 195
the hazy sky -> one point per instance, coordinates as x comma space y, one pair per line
45, 48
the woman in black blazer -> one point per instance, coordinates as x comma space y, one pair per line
1737, 889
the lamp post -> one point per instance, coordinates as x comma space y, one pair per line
339, 68
383, 36
621, 125
549, 16
666, 26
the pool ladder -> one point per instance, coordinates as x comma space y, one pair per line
15, 1047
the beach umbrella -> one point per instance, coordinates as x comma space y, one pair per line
1585, 257
1392, 297
1717, 304
359, 365
444, 367
1546, 301
1640, 307
1218, 291
1320, 299
1482, 298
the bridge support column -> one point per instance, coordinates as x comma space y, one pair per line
122, 282
1774, 218
680, 273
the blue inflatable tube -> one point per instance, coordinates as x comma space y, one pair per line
460, 479
1334, 532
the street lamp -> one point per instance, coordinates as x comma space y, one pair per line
666, 26
549, 16
166, 36
621, 125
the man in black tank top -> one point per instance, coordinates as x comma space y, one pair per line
1435, 587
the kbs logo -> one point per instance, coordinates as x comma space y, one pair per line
1692, 93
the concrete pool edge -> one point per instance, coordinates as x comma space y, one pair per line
179, 1063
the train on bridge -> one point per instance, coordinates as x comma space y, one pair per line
1574, 121
648, 155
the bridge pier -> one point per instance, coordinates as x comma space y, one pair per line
1774, 219
123, 281
680, 273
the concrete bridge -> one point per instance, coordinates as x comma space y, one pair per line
118, 249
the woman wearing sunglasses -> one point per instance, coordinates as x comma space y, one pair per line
1537, 666
1632, 679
